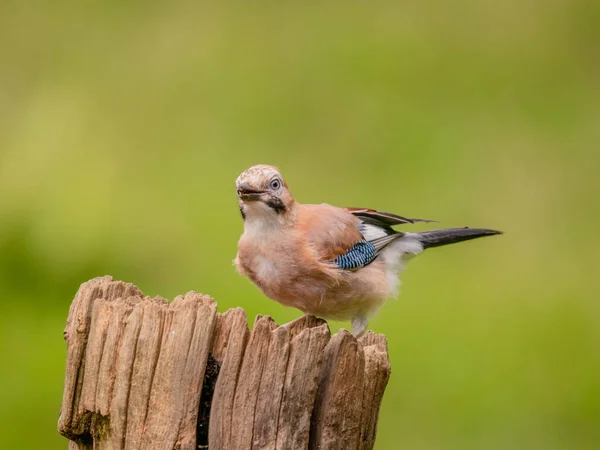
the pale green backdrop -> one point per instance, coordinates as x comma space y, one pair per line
123, 126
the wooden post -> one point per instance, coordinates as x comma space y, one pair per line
143, 373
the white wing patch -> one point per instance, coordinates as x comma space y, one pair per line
371, 232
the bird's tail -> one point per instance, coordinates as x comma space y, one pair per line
437, 238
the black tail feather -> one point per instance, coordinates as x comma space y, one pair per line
437, 238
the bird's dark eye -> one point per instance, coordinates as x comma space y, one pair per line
275, 184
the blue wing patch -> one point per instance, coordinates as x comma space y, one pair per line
362, 254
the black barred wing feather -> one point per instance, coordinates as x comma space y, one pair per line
363, 253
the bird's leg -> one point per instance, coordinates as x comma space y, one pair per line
359, 326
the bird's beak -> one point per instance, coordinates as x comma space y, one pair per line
248, 193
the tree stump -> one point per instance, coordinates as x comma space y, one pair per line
143, 373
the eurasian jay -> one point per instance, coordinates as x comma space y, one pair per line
334, 263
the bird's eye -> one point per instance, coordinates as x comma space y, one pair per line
275, 184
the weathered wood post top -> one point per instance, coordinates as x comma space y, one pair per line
143, 373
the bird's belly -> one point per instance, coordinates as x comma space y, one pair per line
340, 298
265, 268
313, 287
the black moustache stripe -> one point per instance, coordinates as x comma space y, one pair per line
276, 204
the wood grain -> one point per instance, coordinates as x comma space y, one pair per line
137, 366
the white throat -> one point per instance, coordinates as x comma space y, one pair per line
261, 222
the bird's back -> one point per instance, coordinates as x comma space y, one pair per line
329, 230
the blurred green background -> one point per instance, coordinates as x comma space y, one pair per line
123, 126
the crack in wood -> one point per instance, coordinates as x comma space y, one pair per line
208, 389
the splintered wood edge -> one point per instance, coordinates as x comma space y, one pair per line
265, 392
277, 387
336, 419
76, 331
377, 375
229, 346
301, 382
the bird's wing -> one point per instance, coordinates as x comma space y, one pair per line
381, 218
330, 231
348, 240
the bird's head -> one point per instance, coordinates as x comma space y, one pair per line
263, 193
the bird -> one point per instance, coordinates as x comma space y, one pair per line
327, 261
